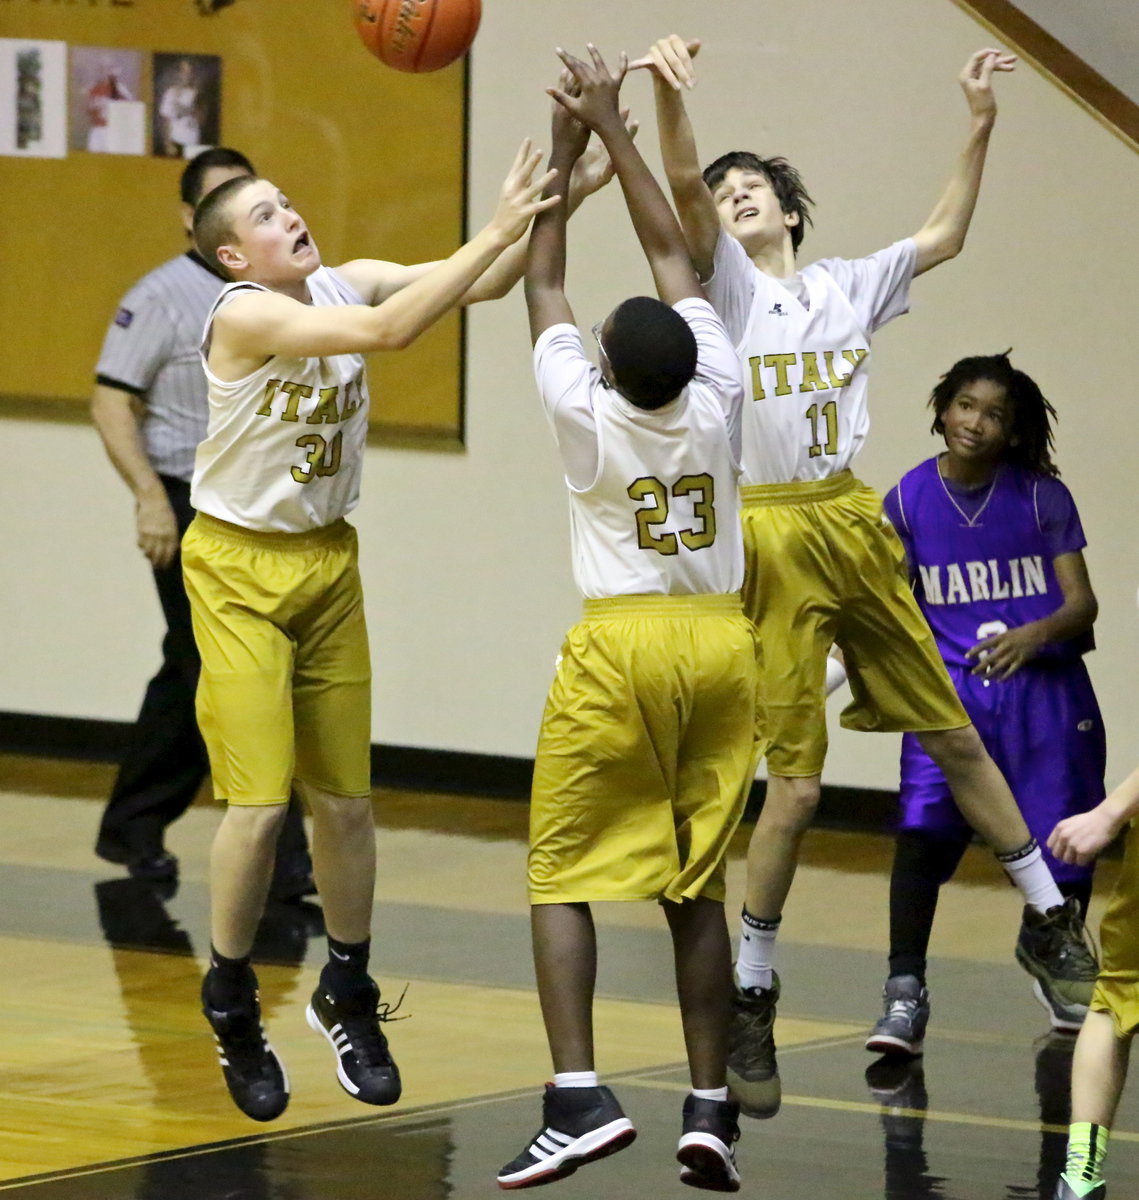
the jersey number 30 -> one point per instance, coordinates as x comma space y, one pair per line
656, 513
323, 457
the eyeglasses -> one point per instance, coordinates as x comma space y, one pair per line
597, 335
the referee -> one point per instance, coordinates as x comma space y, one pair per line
150, 408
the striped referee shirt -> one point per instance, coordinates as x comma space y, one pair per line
152, 350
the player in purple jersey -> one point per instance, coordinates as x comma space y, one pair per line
994, 545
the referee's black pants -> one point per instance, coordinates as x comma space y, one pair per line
165, 760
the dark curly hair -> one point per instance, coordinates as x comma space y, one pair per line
1030, 437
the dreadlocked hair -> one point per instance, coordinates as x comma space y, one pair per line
1030, 437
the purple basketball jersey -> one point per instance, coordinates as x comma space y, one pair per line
981, 572
980, 566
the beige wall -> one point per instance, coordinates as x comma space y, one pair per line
465, 557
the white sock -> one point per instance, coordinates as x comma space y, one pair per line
710, 1093
575, 1079
757, 950
1028, 870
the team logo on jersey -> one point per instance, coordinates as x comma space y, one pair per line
777, 310
124, 317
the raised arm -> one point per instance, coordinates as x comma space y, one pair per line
653, 220
670, 61
251, 328
379, 279
943, 234
546, 300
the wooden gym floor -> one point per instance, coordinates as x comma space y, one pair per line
109, 1087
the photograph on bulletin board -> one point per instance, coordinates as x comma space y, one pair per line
33, 98
372, 158
187, 103
107, 112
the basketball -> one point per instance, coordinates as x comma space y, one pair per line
417, 35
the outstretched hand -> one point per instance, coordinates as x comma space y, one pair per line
596, 104
594, 169
976, 80
570, 136
670, 59
521, 196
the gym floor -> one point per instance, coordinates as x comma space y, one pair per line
110, 1088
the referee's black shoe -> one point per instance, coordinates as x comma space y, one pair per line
253, 1073
364, 1064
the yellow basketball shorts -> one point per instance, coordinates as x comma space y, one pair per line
1117, 988
649, 742
824, 565
285, 691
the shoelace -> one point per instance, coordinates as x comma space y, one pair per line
902, 1007
364, 1034
1076, 944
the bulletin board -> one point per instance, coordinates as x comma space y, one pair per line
373, 159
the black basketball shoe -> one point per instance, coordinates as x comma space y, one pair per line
364, 1065
707, 1145
579, 1125
253, 1073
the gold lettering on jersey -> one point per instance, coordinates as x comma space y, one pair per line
837, 381
854, 357
703, 508
353, 398
803, 371
323, 457
266, 409
757, 392
812, 381
780, 362
295, 392
326, 411
654, 513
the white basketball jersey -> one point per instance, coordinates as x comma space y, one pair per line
806, 365
659, 516
285, 445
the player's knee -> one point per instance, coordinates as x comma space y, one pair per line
258, 825
342, 816
954, 749
790, 804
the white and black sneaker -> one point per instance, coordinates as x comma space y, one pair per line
707, 1144
579, 1125
364, 1065
253, 1073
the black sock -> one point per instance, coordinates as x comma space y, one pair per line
345, 976
922, 863
230, 982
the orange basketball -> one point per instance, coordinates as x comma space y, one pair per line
417, 35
